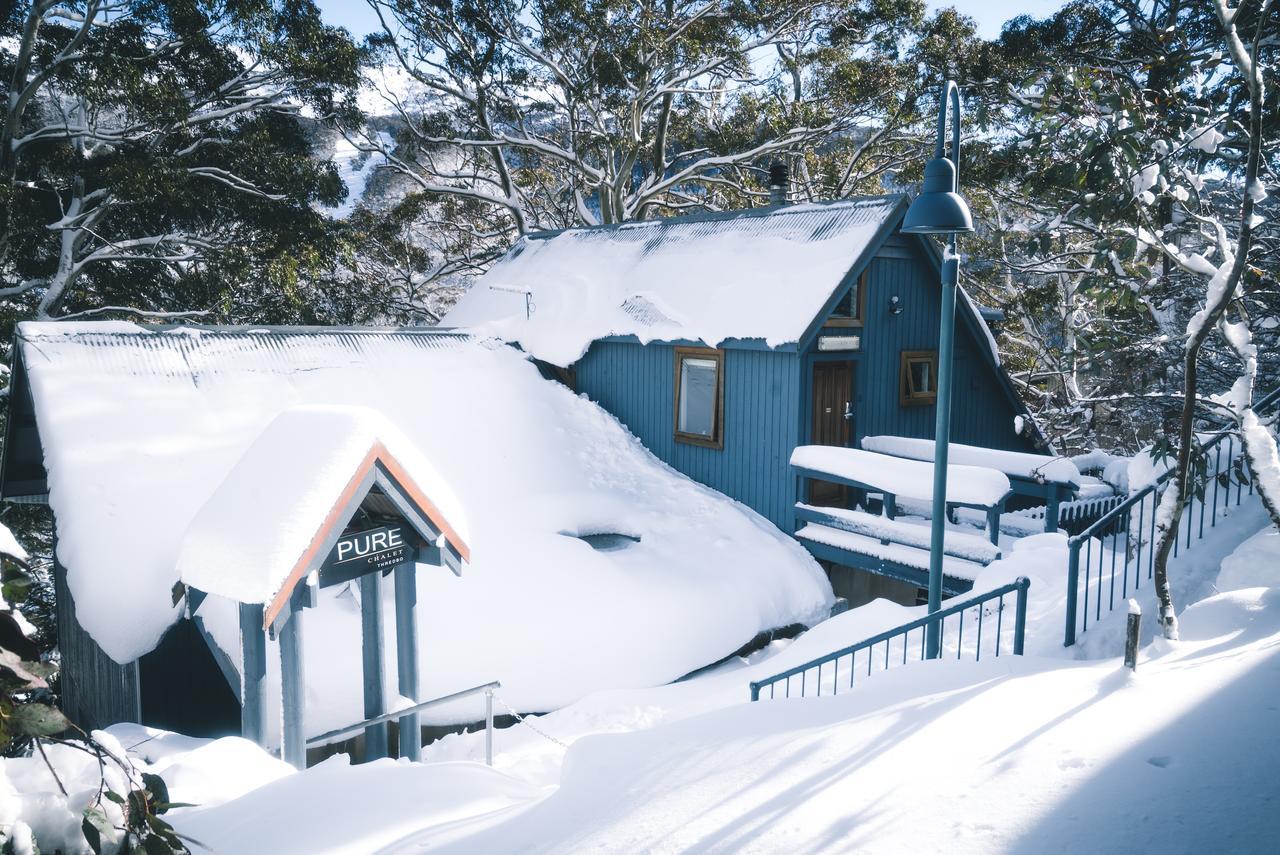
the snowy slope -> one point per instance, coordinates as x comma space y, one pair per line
356, 167
1010, 755
140, 428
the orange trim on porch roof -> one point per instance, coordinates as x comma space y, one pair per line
378, 453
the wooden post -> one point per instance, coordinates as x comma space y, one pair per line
406, 582
253, 672
1133, 631
375, 736
1051, 508
993, 523
293, 741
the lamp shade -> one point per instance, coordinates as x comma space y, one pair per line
939, 209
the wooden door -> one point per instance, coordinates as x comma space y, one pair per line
832, 422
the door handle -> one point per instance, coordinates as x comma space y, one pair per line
848, 411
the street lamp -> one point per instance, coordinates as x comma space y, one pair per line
940, 210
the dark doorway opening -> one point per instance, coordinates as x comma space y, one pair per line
183, 689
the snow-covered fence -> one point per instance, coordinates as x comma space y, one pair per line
1075, 516
899, 647
1115, 554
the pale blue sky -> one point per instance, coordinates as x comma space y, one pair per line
356, 16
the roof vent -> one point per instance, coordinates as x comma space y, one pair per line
779, 183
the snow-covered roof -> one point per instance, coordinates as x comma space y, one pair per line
141, 426
248, 540
760, 274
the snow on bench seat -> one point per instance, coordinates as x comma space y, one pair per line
970, 547
1039, 468
974, 486
907, 556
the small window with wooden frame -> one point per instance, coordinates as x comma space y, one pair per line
918, 382
699, 400
851, 309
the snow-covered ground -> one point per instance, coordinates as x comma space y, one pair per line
1033, 754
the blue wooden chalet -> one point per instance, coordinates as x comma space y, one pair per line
726, 341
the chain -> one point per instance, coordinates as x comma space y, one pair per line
522, 720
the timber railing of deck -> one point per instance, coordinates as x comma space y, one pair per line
1100, 578
803, 679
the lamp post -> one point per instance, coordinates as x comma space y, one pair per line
940, 210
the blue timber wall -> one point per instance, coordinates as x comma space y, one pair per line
981, 412
761, 417
767, 400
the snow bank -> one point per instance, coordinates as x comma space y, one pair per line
1017, 750
1254, 564
141, 427
9, 545
1037, 467
32, 792
910, 479
205, 772
750, 276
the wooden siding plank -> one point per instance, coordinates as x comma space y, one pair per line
635, 384
96, 690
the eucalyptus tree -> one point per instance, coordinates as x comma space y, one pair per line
155, 156
1146, 141
549, 113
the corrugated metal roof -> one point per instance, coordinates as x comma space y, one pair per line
796, 223
196, 351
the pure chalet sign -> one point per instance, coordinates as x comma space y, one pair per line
361, 552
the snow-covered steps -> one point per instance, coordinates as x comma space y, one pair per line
891, 548
896, 478
908, 563
957, 544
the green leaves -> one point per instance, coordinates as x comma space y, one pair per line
36, 719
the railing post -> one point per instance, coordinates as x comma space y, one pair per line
488, 727
1020, 616
406, 585
755, 692
1132, 631
253, 645
371, 649
293, 737
1073, 583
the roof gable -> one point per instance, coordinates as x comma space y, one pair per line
286, 501
762, 274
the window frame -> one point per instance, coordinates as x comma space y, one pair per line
716, 440
859, 307
906, 397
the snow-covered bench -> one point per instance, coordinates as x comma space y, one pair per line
1053, 479
891, 547
978, 487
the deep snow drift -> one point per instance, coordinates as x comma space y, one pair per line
141, 427
1011, 754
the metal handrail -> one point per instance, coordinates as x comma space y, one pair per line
1120, 517
1018, 586
353, 729
1265, 401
